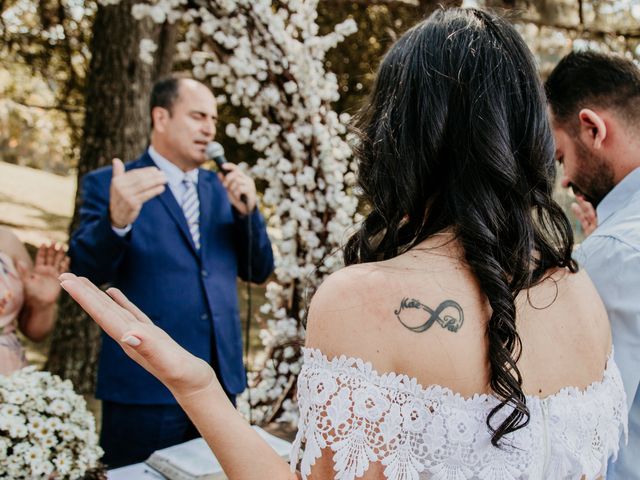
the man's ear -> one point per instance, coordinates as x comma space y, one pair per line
160, 116
593, 129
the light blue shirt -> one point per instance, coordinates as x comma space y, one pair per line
174, 175
611, 257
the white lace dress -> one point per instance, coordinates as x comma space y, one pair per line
419, 432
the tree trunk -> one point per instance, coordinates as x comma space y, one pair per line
116, 125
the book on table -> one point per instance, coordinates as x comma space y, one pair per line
194, 460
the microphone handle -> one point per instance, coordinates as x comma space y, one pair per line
220, 161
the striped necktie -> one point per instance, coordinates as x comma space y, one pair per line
191, 208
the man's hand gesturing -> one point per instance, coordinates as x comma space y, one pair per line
586, 214
129, 190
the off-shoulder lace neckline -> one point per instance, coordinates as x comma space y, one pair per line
357, 363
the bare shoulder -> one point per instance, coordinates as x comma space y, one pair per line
11, 245
578, 294
347, 287
565, 333
343, 305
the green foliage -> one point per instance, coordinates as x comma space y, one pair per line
45, 46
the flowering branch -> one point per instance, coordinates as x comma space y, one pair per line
269, 60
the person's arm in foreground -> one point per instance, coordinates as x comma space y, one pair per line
242, 453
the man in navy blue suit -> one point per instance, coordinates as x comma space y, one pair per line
173, 237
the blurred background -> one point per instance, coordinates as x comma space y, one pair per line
73, 93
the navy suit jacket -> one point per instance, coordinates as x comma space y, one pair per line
191, 295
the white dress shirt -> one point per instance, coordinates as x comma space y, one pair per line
611, 256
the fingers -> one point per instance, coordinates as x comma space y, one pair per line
112, 318
150, 193
125, 303
41, 255
140, 179
60, 261
577, 211
118, 167
233, 175
23, 270
52, 255
238, 185
129, 191
64, 264
586, 214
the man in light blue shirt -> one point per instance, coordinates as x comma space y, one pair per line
595, 108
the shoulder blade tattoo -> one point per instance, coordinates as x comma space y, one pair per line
448, 314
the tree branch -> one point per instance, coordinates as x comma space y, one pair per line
581, 11
412, 3
582, 30
62, 108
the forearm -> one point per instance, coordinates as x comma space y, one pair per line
36, 322
242, 453
96, 251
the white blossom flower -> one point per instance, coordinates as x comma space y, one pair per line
44, 437
157, 13
271, 62
147, 48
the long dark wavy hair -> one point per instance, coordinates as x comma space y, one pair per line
456, 137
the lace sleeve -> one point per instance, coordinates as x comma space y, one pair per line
415, 433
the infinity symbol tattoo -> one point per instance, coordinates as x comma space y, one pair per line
453, 323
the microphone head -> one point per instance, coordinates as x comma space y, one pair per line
214, 150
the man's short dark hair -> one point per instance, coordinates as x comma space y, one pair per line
165, 92
590, 79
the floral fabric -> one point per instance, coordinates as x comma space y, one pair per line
418, 432
11, 299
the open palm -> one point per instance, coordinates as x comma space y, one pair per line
41, 285
148, 345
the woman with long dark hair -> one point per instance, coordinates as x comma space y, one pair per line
460, 342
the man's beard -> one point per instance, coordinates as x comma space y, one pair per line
594, 179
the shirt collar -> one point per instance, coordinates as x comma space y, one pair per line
619, 195
174, 174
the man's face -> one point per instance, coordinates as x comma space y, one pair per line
586, 170
190, 125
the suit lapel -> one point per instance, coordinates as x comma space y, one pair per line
171, 205
205, 195
176, 213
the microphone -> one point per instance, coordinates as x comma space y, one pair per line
215, 152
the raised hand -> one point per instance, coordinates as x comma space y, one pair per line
129, 190
41, 286
586, 214
242, 453
148, 345
238, 185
